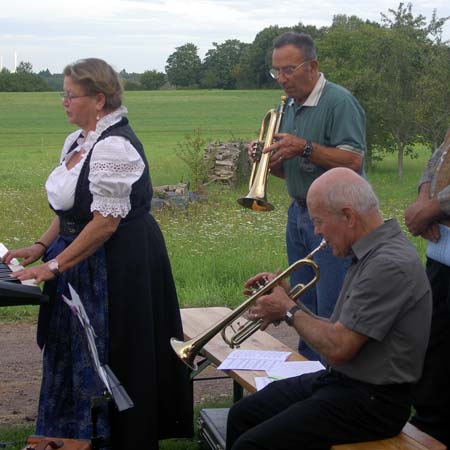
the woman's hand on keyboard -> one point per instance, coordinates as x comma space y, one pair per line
27, 255
37, 273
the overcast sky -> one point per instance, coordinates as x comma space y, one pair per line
138, 35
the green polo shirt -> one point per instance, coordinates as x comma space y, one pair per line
330, 116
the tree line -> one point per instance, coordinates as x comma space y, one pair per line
399, 69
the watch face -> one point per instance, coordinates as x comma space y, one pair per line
289, 317
307, 150
53, 266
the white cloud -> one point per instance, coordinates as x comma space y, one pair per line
140, 34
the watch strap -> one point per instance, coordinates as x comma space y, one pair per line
289, 316
307, 149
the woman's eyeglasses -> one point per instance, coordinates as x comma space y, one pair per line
65, 97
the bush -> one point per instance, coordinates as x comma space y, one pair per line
129, 85
153, 80
192, 152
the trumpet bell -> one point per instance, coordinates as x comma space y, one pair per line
256, 204
256, 198
185, 351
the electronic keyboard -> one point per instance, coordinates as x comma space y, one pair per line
14, 292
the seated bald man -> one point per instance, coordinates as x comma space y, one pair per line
374, 343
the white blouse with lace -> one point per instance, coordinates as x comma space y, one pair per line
115, 165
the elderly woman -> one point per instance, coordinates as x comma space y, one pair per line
104, 242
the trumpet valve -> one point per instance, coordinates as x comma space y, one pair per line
257, 148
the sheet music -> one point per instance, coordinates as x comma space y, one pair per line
294, 368
440, 250
262, 382
253, 360
112, 384
288, 370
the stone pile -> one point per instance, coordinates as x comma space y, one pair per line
230, 165
171, 195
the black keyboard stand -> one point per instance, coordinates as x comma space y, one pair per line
97, 403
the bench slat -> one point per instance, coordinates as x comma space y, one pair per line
411, 438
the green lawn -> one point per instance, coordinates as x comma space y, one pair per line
213, 247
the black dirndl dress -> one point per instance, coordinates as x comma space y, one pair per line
128, 291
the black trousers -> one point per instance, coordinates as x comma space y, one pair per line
431, 395
314, 411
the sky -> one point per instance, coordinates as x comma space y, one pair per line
139, 35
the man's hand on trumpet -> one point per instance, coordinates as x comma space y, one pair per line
285, 146
272, 306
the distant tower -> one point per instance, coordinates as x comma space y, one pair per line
1, 63
15, 62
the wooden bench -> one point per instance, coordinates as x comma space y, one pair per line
196, 320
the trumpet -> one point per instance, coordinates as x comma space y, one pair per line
256, 198
187, 351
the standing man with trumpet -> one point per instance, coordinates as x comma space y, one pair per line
374, 343
323, 126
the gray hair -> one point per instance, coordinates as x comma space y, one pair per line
96, 76
358, 195
304, 42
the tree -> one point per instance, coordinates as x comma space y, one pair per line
253, 71
347, 22
433, 114
133, 76
183, 66
433, 95
24, 67
129, 85
405, 66
257, 59
386, 68
348, 51
23, 80
152, 79
54, 81
220, 63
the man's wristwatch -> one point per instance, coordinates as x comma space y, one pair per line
53, 266
289, 316
307, 149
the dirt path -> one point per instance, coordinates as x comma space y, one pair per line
20, 372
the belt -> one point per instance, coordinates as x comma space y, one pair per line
394, 388
68, 227
300, 202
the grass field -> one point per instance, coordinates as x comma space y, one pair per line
215, 246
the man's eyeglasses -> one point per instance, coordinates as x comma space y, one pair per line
65, 97
287, 71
